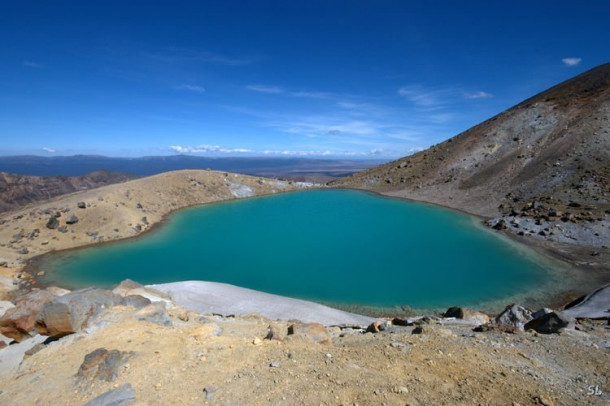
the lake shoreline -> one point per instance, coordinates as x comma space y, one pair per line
555, 301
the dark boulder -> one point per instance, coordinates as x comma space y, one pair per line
52, 223
72, 219
551, 323
102, 364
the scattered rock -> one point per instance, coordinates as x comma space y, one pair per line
23, 251
37, 348
209, 393
81, 205
62, 229
19, 322
273, 334
122, 394
69, 313
154, 313
402, 322
378, 326
52, 223
551, 323
275, 364
463, 313
418, 330
309, 331
502, 328
514, 315
544, 400
72, 219
102, 364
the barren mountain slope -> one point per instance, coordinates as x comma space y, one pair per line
553, 148
19, 190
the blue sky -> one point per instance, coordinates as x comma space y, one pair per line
358, 79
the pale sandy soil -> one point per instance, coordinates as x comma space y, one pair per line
446, 365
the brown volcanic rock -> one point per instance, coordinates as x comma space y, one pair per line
553, 147
19, 190
19, 321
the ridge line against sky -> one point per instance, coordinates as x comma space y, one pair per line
273, 78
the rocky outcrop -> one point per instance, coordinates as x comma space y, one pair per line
19, 322
102, 365
515, 316
69, 313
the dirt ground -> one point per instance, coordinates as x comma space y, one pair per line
188, 364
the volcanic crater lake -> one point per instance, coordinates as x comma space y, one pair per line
339, 247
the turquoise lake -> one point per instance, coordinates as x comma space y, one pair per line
338, 247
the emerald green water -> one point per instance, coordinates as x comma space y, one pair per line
333, 246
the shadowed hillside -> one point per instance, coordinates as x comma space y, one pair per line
549, 155
19, 190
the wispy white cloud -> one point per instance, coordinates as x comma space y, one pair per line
277, 152
30, 64
478, 95
191, 88
265, 89
322, 126
324, 152
286, 92
425, 97
189, 149
47, 149
312, 95
571, 61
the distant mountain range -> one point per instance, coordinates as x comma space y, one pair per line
79, 165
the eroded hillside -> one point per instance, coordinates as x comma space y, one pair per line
19, 190
552, 150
